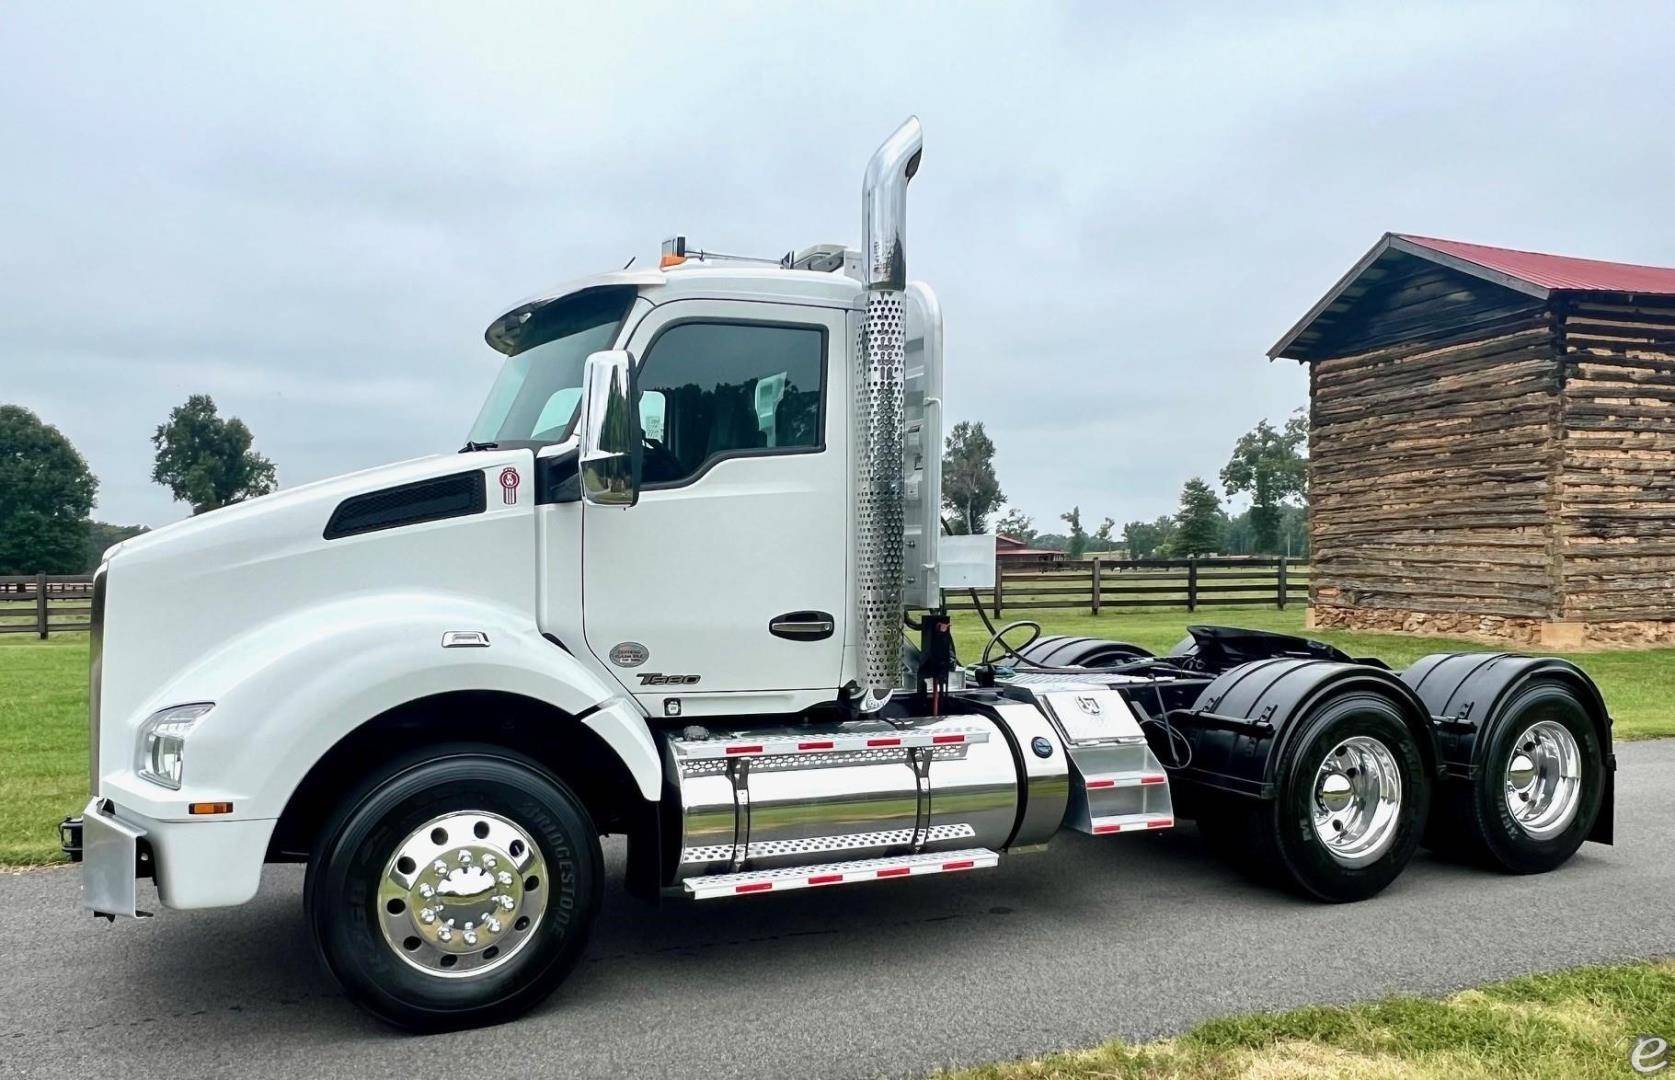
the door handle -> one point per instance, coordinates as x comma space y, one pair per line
803, 625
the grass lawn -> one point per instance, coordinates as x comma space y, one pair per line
43, 699
1571, 1025
43, 724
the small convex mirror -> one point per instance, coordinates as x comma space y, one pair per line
610, 431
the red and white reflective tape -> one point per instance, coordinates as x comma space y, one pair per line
1104, 826
773, 745
1120, 780
849, 873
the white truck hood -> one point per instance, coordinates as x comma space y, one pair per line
177, 598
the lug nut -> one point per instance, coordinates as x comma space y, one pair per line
470, 938
490, 862
464, 856
504, 878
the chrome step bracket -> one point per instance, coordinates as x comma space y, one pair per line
784, 879
1117, 787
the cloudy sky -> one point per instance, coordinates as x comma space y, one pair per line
312, 214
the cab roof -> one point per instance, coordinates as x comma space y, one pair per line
691, 280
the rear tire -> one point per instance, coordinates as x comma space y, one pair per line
1350, 811
1523, 814
425, 845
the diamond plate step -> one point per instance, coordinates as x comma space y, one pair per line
839, 873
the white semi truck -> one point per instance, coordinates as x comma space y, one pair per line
661, 593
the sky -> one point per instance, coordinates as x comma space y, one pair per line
312, 212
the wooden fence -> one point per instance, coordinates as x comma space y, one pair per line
41, 604
1096, 584
44, 603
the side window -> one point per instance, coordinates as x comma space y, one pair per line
710, 389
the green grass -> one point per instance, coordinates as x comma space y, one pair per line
43, 699
1638, 684
43, 725
1573, 1025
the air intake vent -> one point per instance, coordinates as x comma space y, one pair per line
435, 499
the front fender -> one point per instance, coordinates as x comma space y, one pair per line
286, 691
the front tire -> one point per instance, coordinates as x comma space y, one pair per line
456, 889
1350, 811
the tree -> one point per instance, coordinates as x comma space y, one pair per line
46, 493
969, 485
1078, 545
1198, 526
206, 461
1102, 536
1270, 466
1018, 525
101, 537
1144, 538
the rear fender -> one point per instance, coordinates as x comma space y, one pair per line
1465, 693
1243, 721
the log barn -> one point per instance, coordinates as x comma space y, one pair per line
1492, 445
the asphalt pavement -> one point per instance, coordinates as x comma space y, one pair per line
1130, 936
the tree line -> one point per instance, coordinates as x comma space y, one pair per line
1268, 465
48, 493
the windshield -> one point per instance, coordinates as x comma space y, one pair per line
534, 398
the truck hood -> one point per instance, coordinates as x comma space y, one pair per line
179, 598
236, 517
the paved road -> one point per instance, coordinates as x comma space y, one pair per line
1131, 936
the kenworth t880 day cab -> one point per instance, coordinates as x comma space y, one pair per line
661, 593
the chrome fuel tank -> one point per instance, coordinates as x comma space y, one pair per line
821, 793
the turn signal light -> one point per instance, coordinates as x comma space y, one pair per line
209, 808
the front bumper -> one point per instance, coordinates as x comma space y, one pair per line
196, 864
111, 862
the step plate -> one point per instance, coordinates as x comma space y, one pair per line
839, 873
1102, 826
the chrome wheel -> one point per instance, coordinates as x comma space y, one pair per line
462, 894
1357, 800
1544, 779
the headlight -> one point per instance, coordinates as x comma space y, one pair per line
162, 748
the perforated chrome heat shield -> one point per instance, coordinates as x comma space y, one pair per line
878, 484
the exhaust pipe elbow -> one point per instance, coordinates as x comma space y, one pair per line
884, 206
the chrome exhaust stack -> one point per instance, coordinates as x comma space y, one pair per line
879, 520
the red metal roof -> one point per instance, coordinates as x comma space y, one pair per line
1557, 271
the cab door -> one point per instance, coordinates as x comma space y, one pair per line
730, 575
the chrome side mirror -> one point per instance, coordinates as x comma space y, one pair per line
610, 431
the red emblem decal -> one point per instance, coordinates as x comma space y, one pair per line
509, 485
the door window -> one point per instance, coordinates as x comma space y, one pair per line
712, 390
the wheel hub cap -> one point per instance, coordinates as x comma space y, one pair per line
461, 894
1357, 800
1544, 779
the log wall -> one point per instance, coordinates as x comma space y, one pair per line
1432, 472
1616, 489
